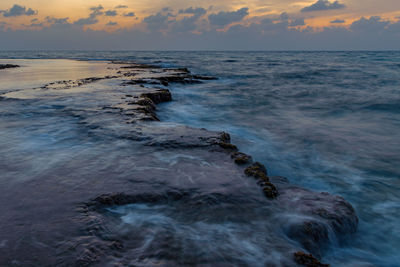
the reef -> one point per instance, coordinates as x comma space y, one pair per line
192, 171
8, 66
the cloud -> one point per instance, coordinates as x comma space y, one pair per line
2, 25
36, 24
338, 21
373, 24
225, 18
284, 16
297, 22
129, 14
270, 33
158, 21
167, 9
50, 22
322, 5
92, 19
17, 11
96, 10
121, 6
111, 23
60, 21
195, 11
86, 21
188, 23
111, 13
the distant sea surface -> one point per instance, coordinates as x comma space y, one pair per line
328, 121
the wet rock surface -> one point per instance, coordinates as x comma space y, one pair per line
308, 260
241, 158
8, 66
326, 219
129, 190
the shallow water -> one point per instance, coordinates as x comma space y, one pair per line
327, 121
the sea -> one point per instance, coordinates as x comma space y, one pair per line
328, 121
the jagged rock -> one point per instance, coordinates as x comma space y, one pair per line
324, 219
205, 78
228, 146
182, 137
257, 170
137, 66
308, 260
225, 137
181, 70
269, 190
143, 81
8, 66
241, 158
313, 235
146, 102
159, 96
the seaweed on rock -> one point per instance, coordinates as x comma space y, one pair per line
308, 260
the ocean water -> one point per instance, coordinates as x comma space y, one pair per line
328, 121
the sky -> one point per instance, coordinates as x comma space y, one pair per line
200, 25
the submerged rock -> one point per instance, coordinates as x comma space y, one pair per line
159, 96
8, 66
182, 137
323, 219
308, 260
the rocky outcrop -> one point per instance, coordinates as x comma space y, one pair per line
8, 66
324, 219
184, 137
259, 172
216, 188
308, 260
241, 158
158, 96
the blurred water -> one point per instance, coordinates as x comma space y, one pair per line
328, 121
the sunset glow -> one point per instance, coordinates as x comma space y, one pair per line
188, 19
127, 14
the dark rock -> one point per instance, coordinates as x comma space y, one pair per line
308, 260
138, 66
225, 137
159, 96
313, 235
205, 78
165, 83
325, 219
146, 102
181, 137
257, 170
143, 81
184, 70
241, 158
269, 190
8, 66
229, 146
183, 79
